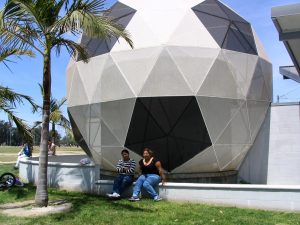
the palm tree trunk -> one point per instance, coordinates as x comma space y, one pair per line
53, 132
41, 195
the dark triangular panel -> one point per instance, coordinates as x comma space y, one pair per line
232, 42
121, 14
183, 135
119, 10
78, 136
210, 7
209, 20
138, 125
228, 29
246, 31
155, 108
191, 121
231, 14
166, 109
181, 150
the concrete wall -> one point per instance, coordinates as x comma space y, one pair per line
67, 176
284, 153
265, 197
275, 155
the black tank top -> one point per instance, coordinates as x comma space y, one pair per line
150, 169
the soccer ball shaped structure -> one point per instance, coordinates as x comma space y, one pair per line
195, 88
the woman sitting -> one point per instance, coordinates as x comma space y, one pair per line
151, 175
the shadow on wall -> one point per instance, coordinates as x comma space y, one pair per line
254, 169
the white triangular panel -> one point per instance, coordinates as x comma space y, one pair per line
165, 79
260, 49
113, 85
237, 131
107, 137
203, 162
96, 155
97, 149
136, 65
191, 32
220, 82
77, 94
110, 157
142, 5
194, 63
192, 3
258, 89
217, 113
237, 161
267, 73
90, 73
257, 111
242, 66
141, 35
69, 76
95, 134
71, 63
155, 17
117, 116
226, 153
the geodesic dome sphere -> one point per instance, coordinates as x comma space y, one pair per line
195, 88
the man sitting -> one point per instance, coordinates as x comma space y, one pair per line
125, 169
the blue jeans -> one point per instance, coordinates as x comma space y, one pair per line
121, 182
148, 182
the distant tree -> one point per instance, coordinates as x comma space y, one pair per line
68, 139
56, 116
36, 133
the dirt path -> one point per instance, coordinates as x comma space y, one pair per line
27, 208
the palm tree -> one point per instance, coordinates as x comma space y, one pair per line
56, 116
43, 26
9, 98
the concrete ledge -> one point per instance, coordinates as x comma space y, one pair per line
273, 197
267, 197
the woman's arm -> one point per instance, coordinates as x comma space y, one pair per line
161, 172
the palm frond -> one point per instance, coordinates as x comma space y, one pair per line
22, 127
74, 49
36, 124
11, 97
88, 17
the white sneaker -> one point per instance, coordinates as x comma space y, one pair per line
113, 195
157, 199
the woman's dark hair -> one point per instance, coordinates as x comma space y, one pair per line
125, 150
151, 153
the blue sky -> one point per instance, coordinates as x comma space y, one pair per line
27, 72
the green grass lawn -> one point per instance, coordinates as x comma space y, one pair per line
88, 209
16, 149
